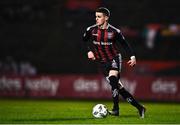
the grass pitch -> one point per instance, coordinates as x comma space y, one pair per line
79, 112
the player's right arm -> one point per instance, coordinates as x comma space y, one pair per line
86, 39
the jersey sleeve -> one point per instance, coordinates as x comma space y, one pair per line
121, 39
86, 39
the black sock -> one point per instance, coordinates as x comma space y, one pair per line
129, 98
115, 94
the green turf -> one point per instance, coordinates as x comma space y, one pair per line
79, 112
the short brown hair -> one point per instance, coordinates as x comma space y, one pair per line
103, 10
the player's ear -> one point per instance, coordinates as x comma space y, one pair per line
106, 18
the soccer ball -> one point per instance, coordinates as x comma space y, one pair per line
100, 111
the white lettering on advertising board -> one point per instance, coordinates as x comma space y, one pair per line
164, 86
84, 85
42, 84
13, 84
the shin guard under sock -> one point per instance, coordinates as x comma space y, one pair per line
129, 98
115, 94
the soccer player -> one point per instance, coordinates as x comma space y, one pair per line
101, 41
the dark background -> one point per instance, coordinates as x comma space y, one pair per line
48, 33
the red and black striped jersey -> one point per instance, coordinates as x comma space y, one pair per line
103, 42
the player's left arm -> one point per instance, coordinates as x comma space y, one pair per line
128, 49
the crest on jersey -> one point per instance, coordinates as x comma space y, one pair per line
110, 35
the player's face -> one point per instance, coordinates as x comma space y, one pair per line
100, 18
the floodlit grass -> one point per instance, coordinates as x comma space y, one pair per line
79, 112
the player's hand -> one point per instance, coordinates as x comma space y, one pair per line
132, 61
91, 55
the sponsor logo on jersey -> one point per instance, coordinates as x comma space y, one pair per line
102, 43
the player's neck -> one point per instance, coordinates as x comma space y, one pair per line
104, 25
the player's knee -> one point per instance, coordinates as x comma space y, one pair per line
113, 81
125, 94
122, 90
113, 78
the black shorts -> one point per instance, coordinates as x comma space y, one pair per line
115, 64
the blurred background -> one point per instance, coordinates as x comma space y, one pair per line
42, 54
